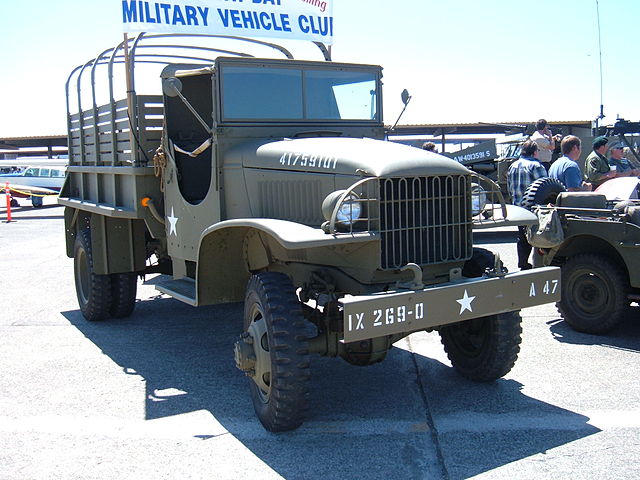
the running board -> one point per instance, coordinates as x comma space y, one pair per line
183, 289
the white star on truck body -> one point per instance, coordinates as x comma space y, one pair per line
172, 223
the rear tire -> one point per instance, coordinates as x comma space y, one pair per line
484, 349
594, 293
123, 294
93, 291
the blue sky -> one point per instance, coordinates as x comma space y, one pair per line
462, 60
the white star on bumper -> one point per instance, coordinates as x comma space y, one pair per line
465, 302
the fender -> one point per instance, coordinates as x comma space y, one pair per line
230, 250
512, 215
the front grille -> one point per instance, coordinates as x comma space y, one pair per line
425, 220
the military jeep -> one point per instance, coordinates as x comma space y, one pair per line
599, 252
268, 181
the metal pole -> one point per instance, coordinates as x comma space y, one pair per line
601, 116
6, 190
130, 111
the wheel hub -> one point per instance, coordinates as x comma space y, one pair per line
252, 356
244, 354
591, 293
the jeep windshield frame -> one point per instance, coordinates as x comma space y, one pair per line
298, 92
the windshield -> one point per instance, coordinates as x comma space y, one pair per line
284, 93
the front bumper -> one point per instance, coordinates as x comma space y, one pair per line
380, 314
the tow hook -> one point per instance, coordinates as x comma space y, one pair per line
416, 283
245, 355
498, 270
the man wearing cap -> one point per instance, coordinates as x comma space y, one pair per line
596, 166
622, 166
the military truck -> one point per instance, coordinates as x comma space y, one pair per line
268, 181
598, 250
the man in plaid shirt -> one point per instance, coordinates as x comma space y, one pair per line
522, 173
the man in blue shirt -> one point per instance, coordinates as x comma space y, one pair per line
622, 165
566, 169
522, 173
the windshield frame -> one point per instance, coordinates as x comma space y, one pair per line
304, 67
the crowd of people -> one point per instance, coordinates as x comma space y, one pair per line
607, 160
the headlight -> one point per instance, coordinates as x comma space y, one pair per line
348, 208
478, 199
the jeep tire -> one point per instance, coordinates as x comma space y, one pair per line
93, 291
280, 383
542, 192
594, 293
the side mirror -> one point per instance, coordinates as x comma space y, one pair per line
171, 87
405, 96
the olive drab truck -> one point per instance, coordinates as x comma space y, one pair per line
268, 181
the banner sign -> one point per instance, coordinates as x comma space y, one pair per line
290, 19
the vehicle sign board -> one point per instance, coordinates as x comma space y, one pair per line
478, 153
368, 316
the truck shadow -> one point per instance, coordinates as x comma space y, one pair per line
625, 336
378, 421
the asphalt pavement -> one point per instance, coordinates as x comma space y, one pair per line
157, 395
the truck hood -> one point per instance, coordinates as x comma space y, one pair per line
347, 156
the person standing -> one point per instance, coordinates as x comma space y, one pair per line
522, 173
566, 169
545, 141
596, 166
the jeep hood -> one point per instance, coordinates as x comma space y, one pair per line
347, 156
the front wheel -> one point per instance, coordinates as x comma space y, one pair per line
93, 291
274, 351
594, 293
484, 349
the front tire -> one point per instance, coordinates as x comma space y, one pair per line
484, 349
93, 291
279, 335
594, 293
